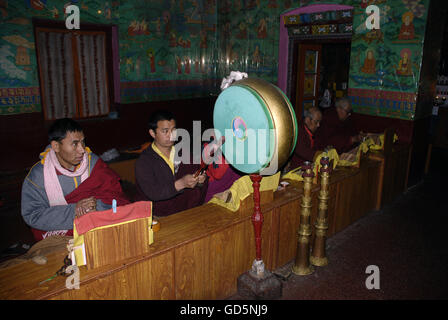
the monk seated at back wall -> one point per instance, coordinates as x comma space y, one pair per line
306, 148
337, 128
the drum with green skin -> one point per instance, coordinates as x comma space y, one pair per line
259, 126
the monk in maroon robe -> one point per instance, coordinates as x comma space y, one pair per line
337, 128
171, 185
306, 147
67, 182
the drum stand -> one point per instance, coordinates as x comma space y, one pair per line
258, 283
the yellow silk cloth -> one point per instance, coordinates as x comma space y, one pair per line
241, 189
296, 174
372, 142
378, 140
352, 157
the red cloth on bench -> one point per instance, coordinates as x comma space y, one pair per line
136, 210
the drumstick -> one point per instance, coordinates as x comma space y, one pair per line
200, 170
205, 166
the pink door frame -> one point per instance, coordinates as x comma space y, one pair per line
284, 41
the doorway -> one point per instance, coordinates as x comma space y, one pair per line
319, 66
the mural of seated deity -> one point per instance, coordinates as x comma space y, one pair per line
407, 27
369, 63
405, 64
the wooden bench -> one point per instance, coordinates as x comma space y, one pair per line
199, 253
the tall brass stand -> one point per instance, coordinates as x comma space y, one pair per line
302, 264
318, 257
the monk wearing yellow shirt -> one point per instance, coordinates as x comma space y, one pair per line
160, 178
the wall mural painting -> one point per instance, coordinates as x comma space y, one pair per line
19, 82
248, 34
172, 49
385, 63
18, 78
167, 49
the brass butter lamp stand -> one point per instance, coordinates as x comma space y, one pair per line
318, 257
302, 264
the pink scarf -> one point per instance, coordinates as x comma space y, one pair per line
52, 186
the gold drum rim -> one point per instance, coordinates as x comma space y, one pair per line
282, 115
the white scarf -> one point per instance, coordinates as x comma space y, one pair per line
52, 186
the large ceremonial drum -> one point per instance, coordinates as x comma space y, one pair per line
259, 125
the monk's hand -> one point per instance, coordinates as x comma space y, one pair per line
202, 177
85, 206
187, 181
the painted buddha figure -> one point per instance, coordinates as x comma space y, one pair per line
405, 64
369, 63
407, 27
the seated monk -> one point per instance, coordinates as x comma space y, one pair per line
337, 129
161, 177
69, 181
305, 149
